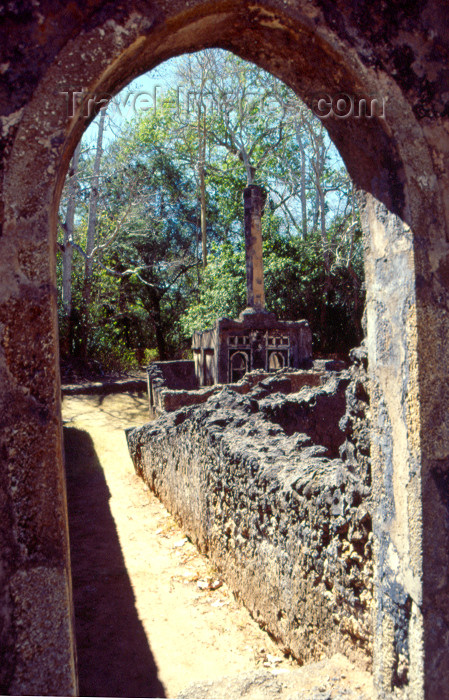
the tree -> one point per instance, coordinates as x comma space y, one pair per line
143, 248
90, 237
156, 253
294, 289
231, 95
165, 198
67, 247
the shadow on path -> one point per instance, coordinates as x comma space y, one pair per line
114, 658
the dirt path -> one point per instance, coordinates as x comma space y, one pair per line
152, 616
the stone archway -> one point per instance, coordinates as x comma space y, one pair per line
318, 48
276, 361
238, 366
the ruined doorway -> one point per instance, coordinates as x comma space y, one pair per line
208, 367
276, 361
402, 163
239, 366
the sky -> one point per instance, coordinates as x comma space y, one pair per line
138, 95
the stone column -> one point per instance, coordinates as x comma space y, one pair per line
408, 337
396, 452
254, 198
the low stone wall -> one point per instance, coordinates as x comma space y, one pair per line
167, 376
172, 385
113, 386
288, 526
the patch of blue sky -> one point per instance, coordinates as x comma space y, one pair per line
139, 96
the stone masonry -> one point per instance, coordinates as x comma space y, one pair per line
257, 483
173, 385
254, 199
58, 61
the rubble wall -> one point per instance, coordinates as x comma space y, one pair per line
166, 393
288, 526
165, 376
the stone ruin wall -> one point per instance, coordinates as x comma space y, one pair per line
173, 384
275, 489
396, 52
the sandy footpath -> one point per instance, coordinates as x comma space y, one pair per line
152, 616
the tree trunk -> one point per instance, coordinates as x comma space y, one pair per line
160, 340
90, 242
68, 234
203, 212
93, 198
303, 179
201, 163
322, 202
156, 319
318, 166
67, 257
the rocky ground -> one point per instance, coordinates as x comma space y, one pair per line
153, 619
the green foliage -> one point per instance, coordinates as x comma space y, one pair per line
148, 290
221, 292
295, 288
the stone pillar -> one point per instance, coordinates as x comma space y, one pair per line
37, 638
408, 340
393, 355
254, 201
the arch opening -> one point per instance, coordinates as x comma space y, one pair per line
239, 366
389, 167
240, 362
310, 220
276, 361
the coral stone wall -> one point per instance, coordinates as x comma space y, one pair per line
172, 385
396, 53
287, 524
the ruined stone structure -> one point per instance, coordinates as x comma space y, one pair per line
173, 385
257, 340
255, 478
254, 198
391, 62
